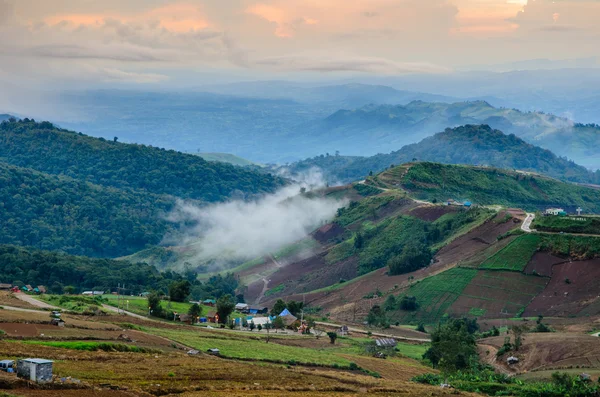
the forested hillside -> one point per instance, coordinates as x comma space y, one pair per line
487, 186
44, 147
60, 213
470, 144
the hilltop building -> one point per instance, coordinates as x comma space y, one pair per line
555, 212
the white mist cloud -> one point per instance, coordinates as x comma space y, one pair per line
240, 230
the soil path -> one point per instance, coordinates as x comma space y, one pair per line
20, 309
32, 301
362, 331
266, 281
526, 226
116, 310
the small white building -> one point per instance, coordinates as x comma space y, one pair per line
555, 211
241, 306
95, 293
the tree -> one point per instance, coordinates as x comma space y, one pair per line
225, 306
69, 289
179, 290
154, 306
332, 337
376, 316
452, 348
517, 331
359, 240
268, 327
409, 303
195, 311
390, 303
278, 323
252, 326
259, 327
295, 307
278, 307
115, 139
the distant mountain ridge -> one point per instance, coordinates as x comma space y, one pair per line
378, 128
470, 144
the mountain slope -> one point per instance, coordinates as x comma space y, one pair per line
227, 158
43, 147
471, 144
377, 128
60, 213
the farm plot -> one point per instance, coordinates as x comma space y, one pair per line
514, 256
496, 294
574, 290
436, 294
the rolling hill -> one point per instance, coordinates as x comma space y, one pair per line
377, 128
227, 158
470, 144
48, 149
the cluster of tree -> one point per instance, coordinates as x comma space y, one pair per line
293, 307
215, 287
469, 144
66, 273
453, 345
60, 213
46, 148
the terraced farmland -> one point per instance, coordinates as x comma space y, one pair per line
495, 294
514, 256
435, 295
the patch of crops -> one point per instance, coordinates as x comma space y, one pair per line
93, 346
516, 255
436, 294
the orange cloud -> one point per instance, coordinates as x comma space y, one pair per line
181, 17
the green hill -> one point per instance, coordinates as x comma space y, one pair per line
44, 147
60, 213
487, 186
470, 144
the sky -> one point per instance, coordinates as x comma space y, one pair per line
87, 43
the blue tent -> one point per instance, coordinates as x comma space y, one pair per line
468, 204
285, 312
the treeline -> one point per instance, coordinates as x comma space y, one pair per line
46, 148
58, 271
60, 213
62, 273
469, 144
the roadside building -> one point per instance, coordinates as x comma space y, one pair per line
386, 342
555, 212
212, 317
5, 287
241, 307
42, 289
257, 310
35, 369
92, 293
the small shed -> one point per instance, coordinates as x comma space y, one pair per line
209, 302
512, 360
193, 352
5, 286
468, 204
35, 369
7, 365
386, 342
59, 322
241, 306
214, 352
258, 310
212, 316
29, 287
42, 289
585, 377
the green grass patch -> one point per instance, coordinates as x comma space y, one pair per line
275, 290
93, 346
514, 256
567, 224
253, 347
477, 312
435, 295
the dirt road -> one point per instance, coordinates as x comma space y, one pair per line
116, 310
526, 226
266, 281
362, 331
21, 309
32, 301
